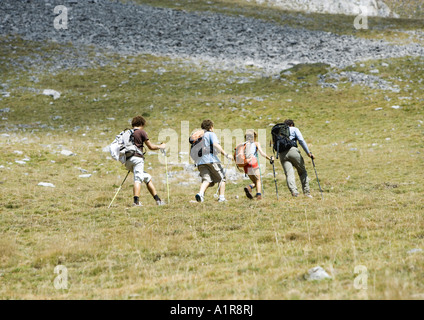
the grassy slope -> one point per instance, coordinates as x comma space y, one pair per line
241, 250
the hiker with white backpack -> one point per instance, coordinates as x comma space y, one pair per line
204, 142
128, 149
246, 155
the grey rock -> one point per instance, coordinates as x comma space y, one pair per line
221, 40
317, 274
67, 153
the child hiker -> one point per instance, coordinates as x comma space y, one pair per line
251, 167
136, 162
208, 163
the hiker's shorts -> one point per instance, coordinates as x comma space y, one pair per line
136, 165
212, 173
250, 168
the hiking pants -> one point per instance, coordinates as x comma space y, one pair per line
292, 158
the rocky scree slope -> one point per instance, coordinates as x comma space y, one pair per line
220, 39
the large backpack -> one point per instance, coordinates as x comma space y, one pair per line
123, 147
198, 147
281, 138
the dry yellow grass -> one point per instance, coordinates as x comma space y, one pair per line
369, 163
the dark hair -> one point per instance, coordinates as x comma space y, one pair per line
138, 121
289, 122
207, 125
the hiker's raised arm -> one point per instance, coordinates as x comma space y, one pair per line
218, 147
261, 152
302, 142
152, 146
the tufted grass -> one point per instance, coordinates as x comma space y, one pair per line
369, 164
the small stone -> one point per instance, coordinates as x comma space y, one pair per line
52, 93
317, 274
46, 184
67, 153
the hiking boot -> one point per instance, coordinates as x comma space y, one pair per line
248, 191
137, 204
199, 198
160, 203
259, 197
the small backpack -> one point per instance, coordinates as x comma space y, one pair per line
198, 148
242, 157
123, 147
281, 138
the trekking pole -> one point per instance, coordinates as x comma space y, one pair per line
275, 179
166, 169
260, 173
219, 185
119, 189
322, 196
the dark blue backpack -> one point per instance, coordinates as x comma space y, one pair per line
281, 138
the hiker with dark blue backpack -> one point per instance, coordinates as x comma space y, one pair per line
285, 137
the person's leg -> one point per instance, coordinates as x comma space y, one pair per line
249, 188
218, 176
137, 189
289, 172
222, 189
206, 180
257, 182
131, 166
150, 186
299, 164
205, 184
